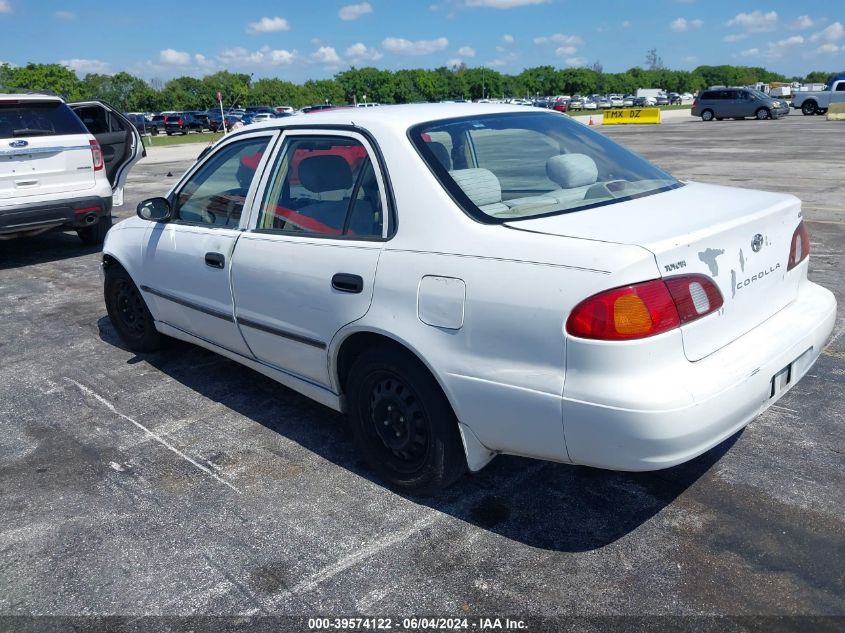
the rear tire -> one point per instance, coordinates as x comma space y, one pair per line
128, 312
809, 108
707, 115
402, 422
94, 235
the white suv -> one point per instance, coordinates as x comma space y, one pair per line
62, 166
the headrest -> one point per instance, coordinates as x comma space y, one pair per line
480, 185
441, 154
325, 173
572, 170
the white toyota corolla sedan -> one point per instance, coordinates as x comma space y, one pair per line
466, 280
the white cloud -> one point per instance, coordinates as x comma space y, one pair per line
756, 21
268, 25
576, 61
354, 11
682, 24
5, 7
751, 52
239, 56
85, 66
776, 50
402, 46
559, 38
174, 58
358, 53
507, 39
626, 24
802, 22
466, 51
831, 34
735, 37
828, 49
65, 15
790, 41
689, 59
565, 51
326, 55
500, 4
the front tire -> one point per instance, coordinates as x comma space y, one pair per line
402, 422
128, 312
94, 235
707, 115
762, 114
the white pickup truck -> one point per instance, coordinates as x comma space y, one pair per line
817, 102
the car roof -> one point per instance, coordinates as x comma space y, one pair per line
399, 117
29, 97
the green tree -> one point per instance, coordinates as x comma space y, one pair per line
53, 77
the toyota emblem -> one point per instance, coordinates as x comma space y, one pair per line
757, 243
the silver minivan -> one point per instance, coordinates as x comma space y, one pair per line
737, 103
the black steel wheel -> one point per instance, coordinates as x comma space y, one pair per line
808, 108
403, 423
128, 311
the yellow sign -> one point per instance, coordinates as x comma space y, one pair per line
631, 115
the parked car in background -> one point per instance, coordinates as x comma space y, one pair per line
561, 104
181, 124
589, 104
674, 98
263, 116
818, 102
318, 107
616, 101
385, 298
203, 118
62, 165
737, 103
157, 121
285, 109
577, 103
628, 101
661, 100
144, 126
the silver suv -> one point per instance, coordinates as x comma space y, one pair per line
62, 165
737, 103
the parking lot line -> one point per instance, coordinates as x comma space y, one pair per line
90, 392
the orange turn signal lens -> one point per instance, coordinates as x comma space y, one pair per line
631, 316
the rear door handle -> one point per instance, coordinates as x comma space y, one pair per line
344, 282
215, 260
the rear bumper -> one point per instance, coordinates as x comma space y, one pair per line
695, 405
75, 213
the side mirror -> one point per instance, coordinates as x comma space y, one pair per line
155, 210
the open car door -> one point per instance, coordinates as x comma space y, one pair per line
119, 139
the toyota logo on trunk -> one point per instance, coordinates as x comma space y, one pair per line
757, 243
18, 144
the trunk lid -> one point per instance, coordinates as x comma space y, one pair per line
738, 237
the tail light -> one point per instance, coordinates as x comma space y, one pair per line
644, 309
97, 155
800, 247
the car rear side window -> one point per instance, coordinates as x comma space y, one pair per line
215, 193
37, 118
324, 186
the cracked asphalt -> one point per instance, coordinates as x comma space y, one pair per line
181, 483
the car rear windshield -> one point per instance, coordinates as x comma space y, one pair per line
38, 118
514, 166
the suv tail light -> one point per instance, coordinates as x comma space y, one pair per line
644, 309
97, 155
800, 246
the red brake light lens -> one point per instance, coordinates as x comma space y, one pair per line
800, 247
644, 309
96, 155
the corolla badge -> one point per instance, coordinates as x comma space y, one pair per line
757, 243
20, 143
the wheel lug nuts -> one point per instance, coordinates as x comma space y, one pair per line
398, 434
401, 419
386, 422
389, 407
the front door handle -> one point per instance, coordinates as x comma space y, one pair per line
215, 260
344, 282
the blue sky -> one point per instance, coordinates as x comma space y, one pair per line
317, 38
